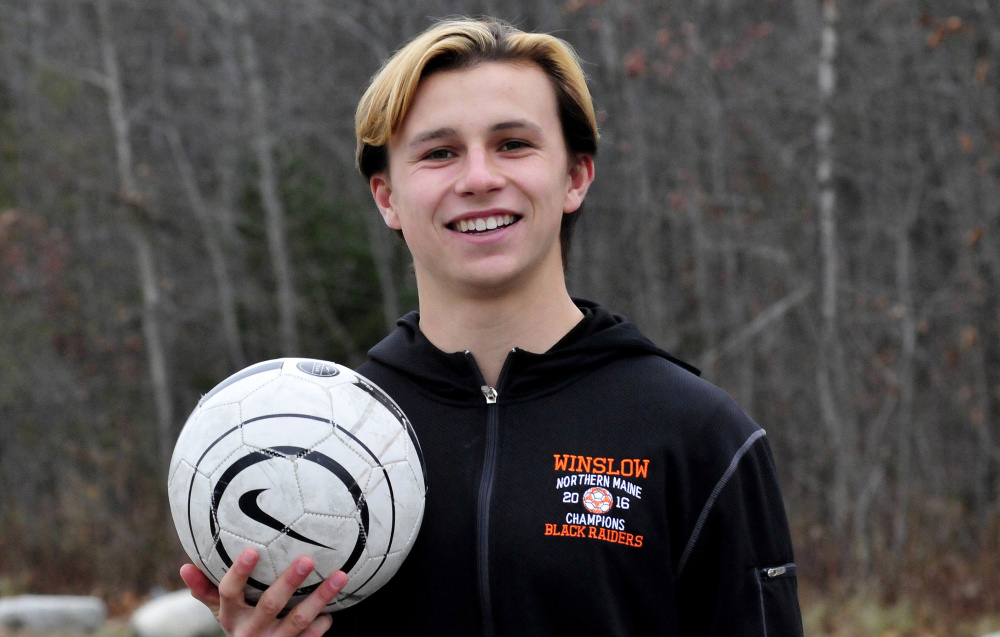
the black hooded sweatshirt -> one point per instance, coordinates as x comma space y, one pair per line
601, 488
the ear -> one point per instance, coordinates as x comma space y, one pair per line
382, 193
581, 175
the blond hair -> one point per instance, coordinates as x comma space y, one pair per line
462, 43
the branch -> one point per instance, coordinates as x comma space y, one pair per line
362, 33
761, 322
87, 76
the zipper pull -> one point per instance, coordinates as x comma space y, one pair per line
777, 571
490, 394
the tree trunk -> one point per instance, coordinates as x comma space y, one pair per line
830, 355
213, 247
379, 240
641, 214
132, 203
907, 352
716, 191
267, 182
699, 266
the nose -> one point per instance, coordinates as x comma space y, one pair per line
481, 174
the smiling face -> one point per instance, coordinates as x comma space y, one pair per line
478, 181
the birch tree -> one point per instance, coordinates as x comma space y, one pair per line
132, 210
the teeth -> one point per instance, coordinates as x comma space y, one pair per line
482, 224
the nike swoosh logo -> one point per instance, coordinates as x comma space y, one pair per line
250, 508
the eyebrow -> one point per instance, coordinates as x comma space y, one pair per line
515, 124
447, 131
437, 133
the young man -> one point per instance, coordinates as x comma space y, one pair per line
580, 479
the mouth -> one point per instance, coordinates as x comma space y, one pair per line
480, 225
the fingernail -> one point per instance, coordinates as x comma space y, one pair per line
338, 579
248, 557
303, 567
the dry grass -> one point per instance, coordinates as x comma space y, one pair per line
857, 615
863, 615
114, 627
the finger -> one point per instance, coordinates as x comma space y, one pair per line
276, 596
235, 581
303, 618
202, 588
319, 626
233, 607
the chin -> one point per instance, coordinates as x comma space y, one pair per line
489, 284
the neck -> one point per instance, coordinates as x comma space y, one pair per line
490, 326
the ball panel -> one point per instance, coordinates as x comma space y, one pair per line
182, 495
408, 494
384, 436
277, 429
387, 567
327, 494
392, 408
368, 565
287, 394
213, 440
257, 496
375, 425
241, 383
349, 450
381, 511
351, 408
338, 534
227, 548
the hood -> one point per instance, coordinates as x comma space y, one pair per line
601, 337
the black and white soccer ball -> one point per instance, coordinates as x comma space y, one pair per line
298, 457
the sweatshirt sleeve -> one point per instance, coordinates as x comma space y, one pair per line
737, 575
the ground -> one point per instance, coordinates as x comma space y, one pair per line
858, 616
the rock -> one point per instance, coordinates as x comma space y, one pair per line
174, 614
60, 613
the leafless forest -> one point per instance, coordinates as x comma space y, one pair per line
802, 197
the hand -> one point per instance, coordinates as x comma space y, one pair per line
240, 619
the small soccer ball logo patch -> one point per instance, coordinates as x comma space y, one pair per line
597, 500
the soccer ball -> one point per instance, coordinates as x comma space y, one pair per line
597, 500
298, 457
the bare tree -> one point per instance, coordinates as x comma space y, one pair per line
132, 210
263, 141
213, 247
830, 363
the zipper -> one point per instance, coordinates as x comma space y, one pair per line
769, 574
774, 572
491, 395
